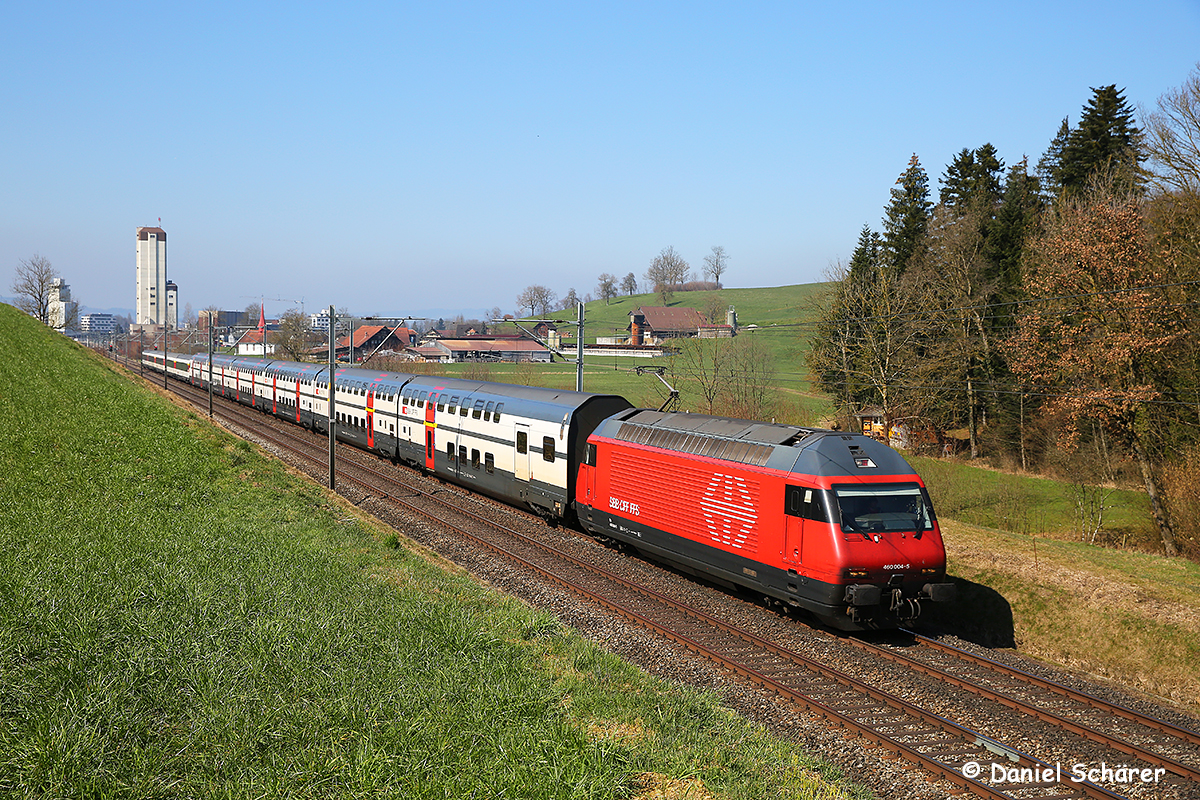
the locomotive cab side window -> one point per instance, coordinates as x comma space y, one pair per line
806, 503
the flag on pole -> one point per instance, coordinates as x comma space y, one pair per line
262, 326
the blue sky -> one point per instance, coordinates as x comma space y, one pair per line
396, 158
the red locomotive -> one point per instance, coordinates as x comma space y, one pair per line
835, 523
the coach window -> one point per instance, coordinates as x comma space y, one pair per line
499, 408
489, 463
522, 442
462, 412
421, 400
404, 397
547, 448
441, 406
478, 410
475, 458
487, 412
452, 406
462, 454
450, 450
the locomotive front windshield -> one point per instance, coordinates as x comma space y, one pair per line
882, 508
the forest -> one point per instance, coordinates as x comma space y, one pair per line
1040, 317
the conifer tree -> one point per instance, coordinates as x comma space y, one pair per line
907, 216
1016, 219
1049, 168
868, 255
1106, 139
972, 177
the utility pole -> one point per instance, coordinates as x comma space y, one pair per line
332, 420
210, 348
579, 352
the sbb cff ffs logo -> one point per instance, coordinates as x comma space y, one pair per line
624, 506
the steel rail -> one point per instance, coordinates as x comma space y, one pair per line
1091, 700
1026, 707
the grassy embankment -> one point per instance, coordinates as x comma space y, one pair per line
180, 615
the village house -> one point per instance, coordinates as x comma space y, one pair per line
653, 324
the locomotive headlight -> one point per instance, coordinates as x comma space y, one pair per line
855, 572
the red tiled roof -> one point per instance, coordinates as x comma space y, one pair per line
363, 335
662, 318
501, 346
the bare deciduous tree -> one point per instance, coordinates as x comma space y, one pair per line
666, 271
716, 264
1172, 138
606, 288
752, 372
733, 376
704, 363
31, 284
537, 298
294, 337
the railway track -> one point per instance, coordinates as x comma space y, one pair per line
971, 761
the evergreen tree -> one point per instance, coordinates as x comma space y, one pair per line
972, 177
907, 216
1016, 219
868, 255
1106, 139
1049, 168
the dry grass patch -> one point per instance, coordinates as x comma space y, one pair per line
652, 786
1125, 616
607, 730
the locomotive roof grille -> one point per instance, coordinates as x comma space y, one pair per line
695, 443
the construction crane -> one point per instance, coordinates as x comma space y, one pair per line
264, 299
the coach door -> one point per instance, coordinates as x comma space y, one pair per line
521, 466
371, 416
430, 427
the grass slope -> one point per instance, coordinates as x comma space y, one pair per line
181, 616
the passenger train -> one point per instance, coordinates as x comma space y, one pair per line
834, 523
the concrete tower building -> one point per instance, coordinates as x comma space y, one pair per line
151, 276
172, 306
63, 312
